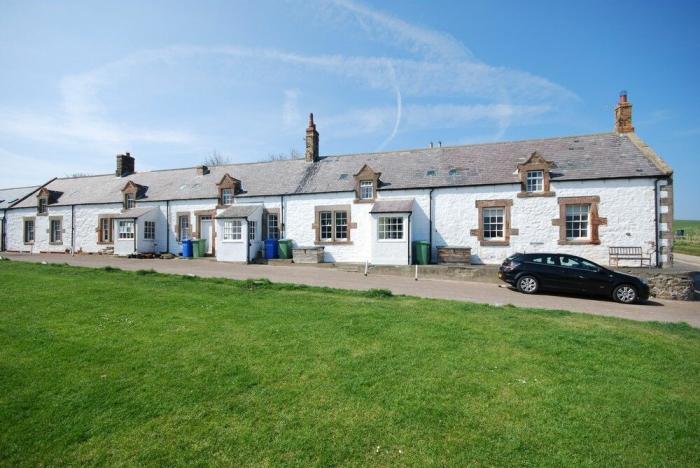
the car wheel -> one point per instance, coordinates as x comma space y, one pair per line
625, 293
528, 284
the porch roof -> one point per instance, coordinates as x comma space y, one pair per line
238, 211
133, 213
393, 206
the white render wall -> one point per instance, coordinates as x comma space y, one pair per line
628, 204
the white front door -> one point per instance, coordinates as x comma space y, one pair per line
206, 233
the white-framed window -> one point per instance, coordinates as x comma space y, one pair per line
28, 231
273, 230
126, 229
252, 226
390, 228
233, 229
366, 190
341, 226
149, 230
577, 221
129, 200
55, 231
493, 222
43, 206
326, 225
183, 227
226, 196
534, 181
105, 230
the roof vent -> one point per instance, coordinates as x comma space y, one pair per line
343, 177
453, 172
431, 173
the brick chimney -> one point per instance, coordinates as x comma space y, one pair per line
311, 141
623, 115
125, 165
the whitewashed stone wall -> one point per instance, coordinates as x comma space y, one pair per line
628, 205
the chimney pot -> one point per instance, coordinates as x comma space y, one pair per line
202, 170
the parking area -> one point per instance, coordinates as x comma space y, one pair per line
487, 293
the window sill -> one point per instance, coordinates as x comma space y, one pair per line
29, 243
43, 214
332, 243
56, 243
105, 243
535, 194
234, 241
494, 243
391, 241
578, 242
364, 200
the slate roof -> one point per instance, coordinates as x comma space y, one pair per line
133, 213
597, 156
11, 195
238, 211
393, 206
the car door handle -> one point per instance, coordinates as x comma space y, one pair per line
581, 277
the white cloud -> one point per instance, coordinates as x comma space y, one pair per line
435, 67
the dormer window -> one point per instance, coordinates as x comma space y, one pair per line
129, 200
228, 188
534, 181
226, 196
42, 206
366, 184
534, 175
130, 193
42, 201
366, 190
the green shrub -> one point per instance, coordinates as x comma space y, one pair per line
376, 293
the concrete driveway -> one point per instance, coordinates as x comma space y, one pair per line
487, 293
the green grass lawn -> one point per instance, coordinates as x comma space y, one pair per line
691, 246
113, 367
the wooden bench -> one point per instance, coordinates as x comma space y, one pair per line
627, 253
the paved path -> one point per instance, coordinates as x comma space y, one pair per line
690, 262
488, 293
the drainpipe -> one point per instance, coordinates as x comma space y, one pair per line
72, 230
283, 228
409, 239
4, 226
657, 225
430, 222
167, 226
136, 224
247, 242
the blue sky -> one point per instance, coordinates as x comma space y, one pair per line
173, 81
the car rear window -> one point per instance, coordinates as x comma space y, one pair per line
543, 259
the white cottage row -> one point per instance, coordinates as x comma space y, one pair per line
578, 195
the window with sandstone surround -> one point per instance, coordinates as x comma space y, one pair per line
578, 220
104, 230
494, 223
228, 187
28, 230
56, 230
129, 200
183, 226
42, 205
332, 224
534, 175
